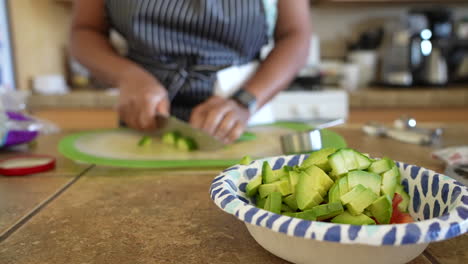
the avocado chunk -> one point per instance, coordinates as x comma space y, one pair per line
268, 175
390, 180
351, 195
290, 200
361, 202
403, 205
326, 211
347, 218
246, 160
312, 186
260, 202
186, 144
145, 141
320, 159
380, 166
283, 187
318, 179
382, 209
285, 208
170, 138
265, 189
344, 187
273, 203
293, 179
290, 214
346, 159
367, 179
334, 193
306, 215
253, 185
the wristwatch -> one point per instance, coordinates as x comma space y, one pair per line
245, 99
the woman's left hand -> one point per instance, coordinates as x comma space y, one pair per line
223, 118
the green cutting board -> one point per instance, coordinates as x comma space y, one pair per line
119, 148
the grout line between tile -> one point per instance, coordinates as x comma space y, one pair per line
430, 257
42, 205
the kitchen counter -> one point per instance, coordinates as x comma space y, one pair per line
88, 214
363, 98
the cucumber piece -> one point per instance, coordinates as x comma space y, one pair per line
253, 185
347, 218
268, 175
170, 138
273, 203
403, 206
390, 180
290, 200
186, 144
382, 209
344, 187
345, 160
246, 160
380, 166
145, 141
320, 159
370, 180
351, 195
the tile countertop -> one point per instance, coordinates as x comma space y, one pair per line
364, 98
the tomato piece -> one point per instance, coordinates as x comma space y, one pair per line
397, 216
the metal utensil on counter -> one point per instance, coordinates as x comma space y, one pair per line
205, 141
307, 141
405, 130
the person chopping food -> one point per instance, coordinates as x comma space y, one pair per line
198, 60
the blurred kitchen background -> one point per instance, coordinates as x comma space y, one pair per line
377, 59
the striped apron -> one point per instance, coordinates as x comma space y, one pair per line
184, 43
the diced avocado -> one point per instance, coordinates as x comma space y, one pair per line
344, 187
361, 202
320, 159
367, 212
268, 176
382, 209
351, 195
318, 179
281, 173
326, 211
170, 138
290, 214
390, 180
380, 166
290, 200
252, 186
145, 141
283, 187
403, 205
265, 189
288, 168
368, 179
186, 144
346, 159
347, 218
246, 160
260, 202
285, 208
306, 196
293, 179
334, 193
306, 215
273, 203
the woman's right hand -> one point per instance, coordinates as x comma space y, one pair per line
141, 97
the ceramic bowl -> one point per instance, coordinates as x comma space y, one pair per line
438, 203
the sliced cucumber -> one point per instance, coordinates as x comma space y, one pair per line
170, 138
253, 185
186, 144
145, 141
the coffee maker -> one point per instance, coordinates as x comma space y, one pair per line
416, 50
430, 45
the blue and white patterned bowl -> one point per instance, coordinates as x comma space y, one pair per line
439, 203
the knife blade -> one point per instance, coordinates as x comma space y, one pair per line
205, 141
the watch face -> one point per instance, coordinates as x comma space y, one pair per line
246, 99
